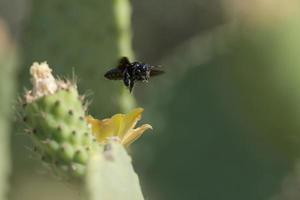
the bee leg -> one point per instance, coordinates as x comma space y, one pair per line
131, 85
126, 79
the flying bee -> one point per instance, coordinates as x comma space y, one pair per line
130, 72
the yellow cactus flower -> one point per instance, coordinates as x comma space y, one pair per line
120, 126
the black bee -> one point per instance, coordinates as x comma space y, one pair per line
131, 72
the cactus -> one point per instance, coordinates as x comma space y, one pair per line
55, 114
122, 13
8, 61
111, 176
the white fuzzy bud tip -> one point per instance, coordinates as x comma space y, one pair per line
42, 80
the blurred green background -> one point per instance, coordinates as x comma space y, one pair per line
225, 114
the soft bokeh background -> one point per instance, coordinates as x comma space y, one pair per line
225, 115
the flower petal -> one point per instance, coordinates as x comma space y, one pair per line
129, 121
119, 125
134, 134
102, 128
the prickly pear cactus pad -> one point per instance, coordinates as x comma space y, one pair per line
111, 176
55, 117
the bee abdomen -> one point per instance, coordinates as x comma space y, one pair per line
114, 74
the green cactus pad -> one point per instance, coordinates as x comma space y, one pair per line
110, 175
58, 128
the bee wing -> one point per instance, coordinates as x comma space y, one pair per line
114, 74
117, 73
156, 71
123, 63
